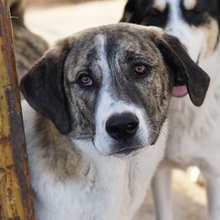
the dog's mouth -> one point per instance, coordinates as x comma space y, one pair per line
127, 151
122, 152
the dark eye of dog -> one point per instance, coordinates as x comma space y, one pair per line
140, 69
85, 80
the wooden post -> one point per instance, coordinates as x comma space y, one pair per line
15, 190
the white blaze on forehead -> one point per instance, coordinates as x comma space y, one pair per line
108, 106
189, 4
160, 5
101, 45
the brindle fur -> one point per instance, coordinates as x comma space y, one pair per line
52, 88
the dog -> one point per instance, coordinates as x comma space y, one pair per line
194, 134
29, 47
98, 130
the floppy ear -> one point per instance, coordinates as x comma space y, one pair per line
185, 71
129, 10
43, 87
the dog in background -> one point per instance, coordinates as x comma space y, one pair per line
102, 97
29, 47
194, 132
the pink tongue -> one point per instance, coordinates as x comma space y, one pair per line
179, 91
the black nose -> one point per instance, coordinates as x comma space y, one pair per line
122, 126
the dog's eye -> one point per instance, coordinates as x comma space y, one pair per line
85, 80
140, 69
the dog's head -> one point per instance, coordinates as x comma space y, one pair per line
195, 22
112, 85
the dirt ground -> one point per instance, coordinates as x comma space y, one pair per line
53, 21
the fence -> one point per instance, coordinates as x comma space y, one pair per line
15, 191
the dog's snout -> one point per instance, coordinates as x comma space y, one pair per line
122, 126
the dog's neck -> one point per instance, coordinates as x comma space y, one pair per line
77, 172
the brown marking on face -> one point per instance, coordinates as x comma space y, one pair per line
160, 5
189, 4
212, 34
211, 31
58, 152
158, 98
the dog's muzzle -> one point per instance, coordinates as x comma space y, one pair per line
122, 127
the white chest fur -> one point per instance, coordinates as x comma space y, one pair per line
112, 188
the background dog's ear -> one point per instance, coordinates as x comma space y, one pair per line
129, 12
43, 87
185, 71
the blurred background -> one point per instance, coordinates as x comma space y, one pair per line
55, 19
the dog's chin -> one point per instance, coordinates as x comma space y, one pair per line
123, 153
126, 153
119, 149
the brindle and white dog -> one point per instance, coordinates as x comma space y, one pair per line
194, 134
102, 97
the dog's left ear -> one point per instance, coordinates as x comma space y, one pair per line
185, 71
43, 87
129, 12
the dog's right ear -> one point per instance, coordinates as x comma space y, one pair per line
185, 71
43, 87
182, 67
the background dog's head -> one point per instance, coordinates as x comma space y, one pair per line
112, 85
195, 22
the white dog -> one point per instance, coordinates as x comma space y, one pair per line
102, 97
194, 134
